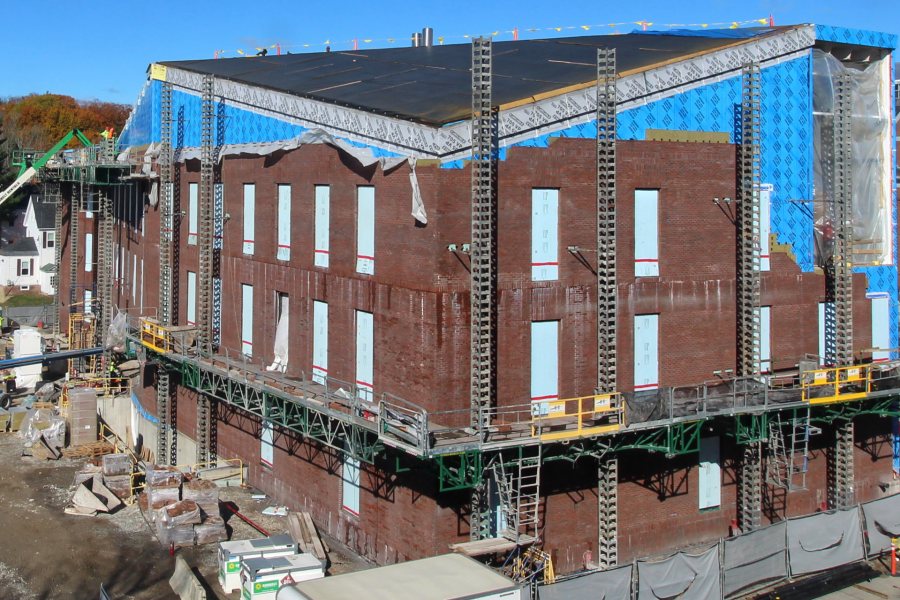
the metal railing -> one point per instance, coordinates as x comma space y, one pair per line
567, 418
401, 423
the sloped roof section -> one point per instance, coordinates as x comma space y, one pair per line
22, 247
432, 85
44, 212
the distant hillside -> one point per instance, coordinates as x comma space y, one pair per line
38, 121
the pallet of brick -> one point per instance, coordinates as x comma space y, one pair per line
204, 493
179, 536
210, 530
86, 472
116, 465
17, 416
82, 416
159, 496
183, 512
120, 485
161, 475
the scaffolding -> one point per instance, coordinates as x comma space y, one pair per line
839, 212
607, 291
483, 256
166, 446
205, 422
750, 488
748, 223
608, 512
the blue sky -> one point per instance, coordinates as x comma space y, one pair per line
100, 49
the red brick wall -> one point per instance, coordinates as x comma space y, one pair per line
419, 296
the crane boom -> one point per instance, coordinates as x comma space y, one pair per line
26, 173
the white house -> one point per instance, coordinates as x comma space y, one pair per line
41, 231
18, 263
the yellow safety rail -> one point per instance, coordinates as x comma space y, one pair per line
121, 447
532, 562
81, 335
162, 338
105, 386
155, 336
836, 384
558, 419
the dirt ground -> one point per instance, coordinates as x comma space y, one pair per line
47, 554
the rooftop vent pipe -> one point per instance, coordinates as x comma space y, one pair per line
416, 40
428, 37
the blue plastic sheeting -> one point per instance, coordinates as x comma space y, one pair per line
142, 411
786, 134
857, 37
737, 34
241, 126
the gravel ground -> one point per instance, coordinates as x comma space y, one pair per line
46, 554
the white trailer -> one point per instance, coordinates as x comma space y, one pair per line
445, 577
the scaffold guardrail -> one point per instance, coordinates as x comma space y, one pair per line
354, 420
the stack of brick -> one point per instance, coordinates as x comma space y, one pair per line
117, 469
175, 523
82, 416
163, 485
206, 494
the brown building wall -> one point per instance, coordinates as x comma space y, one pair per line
420, 301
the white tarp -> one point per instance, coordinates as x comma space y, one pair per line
683, 576
824, 540
605, 585
755, 557
364, 156
882, 522
281, 341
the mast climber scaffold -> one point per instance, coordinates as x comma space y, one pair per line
515, 469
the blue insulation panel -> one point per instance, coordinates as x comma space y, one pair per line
241, 126
857, 37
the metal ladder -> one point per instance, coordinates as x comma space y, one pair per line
748, 222
607, 290
205, 250
608, 512
750, 489
520, 496
166, 222
843, 495
789, 450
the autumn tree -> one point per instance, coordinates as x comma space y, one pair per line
38, 121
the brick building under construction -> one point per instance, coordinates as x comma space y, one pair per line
614, 294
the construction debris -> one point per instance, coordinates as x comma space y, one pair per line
166, 500
91, 497
303, 531
44, 432
184, 583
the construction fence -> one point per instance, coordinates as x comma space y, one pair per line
739, 565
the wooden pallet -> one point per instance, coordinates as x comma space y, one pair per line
302, 529
92, 450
